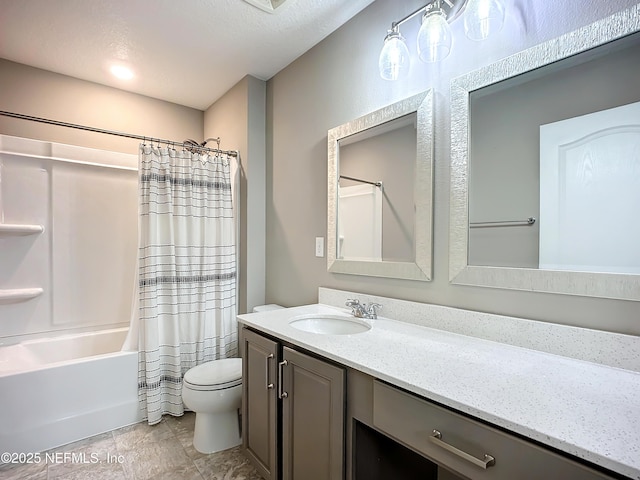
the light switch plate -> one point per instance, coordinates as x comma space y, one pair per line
319, 246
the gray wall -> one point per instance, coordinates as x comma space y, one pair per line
40, 93
338, 81
238, 117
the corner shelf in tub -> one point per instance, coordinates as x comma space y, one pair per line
16, 295
14, 230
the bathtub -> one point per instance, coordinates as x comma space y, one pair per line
58, 390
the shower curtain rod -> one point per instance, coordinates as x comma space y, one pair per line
504, 223
377, 184
189, 144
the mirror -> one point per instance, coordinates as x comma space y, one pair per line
380, 192
546, 164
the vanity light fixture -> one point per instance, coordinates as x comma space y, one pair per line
481, 19
434, 37
394, 60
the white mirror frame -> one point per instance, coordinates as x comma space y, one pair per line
421, 267
605, 285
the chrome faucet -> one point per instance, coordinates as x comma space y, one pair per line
362, 310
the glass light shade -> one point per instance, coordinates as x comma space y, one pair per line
394, 60
434, 37
482, 18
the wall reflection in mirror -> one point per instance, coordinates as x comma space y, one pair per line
560, 144
375, 207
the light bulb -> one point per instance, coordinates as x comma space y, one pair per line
434, 37
482, 18
394, 57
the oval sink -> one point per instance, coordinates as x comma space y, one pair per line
328, 324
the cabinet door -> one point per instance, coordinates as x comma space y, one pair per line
312, 418
259, 403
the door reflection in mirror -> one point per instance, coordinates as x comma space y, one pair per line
360, 222
509, 167
590, 192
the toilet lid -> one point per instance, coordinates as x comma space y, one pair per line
215, 375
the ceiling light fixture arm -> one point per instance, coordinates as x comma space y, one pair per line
429, 6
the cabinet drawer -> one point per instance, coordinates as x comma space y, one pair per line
463, 443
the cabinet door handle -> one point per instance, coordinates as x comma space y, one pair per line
281, 392
488, 461
267, 376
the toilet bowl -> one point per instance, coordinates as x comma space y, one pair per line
213, 390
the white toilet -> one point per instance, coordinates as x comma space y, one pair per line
213, 390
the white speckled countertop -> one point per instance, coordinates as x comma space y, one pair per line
586, 409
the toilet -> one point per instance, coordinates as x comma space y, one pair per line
213, 390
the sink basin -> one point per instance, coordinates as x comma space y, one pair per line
327, 324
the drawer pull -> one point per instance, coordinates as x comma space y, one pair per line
488, 461
281, 392
267, 376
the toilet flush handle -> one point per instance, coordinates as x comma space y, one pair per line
268, 376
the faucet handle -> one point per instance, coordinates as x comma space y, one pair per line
371, 310
357, 310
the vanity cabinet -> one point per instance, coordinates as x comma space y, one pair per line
464, 446
292, 411
260, 403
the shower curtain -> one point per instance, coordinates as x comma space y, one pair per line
186, 272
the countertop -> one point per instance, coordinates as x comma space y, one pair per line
585, 409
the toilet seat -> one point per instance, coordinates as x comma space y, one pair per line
214, 375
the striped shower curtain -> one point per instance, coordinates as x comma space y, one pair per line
186, 272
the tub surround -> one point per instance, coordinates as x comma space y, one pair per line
64, 215
580, 396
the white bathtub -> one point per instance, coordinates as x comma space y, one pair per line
59, 390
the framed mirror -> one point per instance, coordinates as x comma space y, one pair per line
545, 166
380, 192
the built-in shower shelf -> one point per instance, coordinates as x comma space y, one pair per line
8, 229
16, 295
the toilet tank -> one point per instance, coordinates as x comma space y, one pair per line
266, 308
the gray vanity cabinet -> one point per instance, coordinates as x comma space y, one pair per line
260, 403
312, 418
465, 446
304, 438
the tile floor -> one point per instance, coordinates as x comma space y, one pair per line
138, 452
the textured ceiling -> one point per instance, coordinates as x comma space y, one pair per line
188, 52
